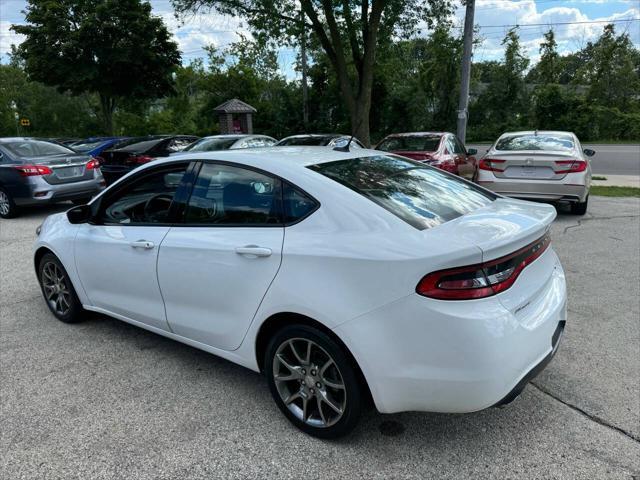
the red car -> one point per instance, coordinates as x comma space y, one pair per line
439, 149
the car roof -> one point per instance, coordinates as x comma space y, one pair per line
275, 159
533, 132
418, 134
316, 135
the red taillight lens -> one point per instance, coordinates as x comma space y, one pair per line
33, 170
574, 166
92, 164
491, 164
139, 159
483, 280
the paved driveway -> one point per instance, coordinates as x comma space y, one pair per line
103, 399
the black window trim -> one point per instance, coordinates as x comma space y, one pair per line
196, 171
97, 207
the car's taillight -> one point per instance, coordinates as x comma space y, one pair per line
92, 164
491, 164
139, 159
574, 166
482, 280
33, 170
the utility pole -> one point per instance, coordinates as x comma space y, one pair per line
465, 78
305, 86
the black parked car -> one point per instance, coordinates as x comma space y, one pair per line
124, 157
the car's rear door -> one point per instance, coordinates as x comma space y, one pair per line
215, 269
116, 254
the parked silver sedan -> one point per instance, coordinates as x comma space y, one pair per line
539, 165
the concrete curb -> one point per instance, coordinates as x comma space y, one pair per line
617, 180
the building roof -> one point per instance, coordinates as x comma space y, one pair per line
234, 106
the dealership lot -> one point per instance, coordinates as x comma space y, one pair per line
103, 399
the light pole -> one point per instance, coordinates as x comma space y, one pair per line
465, 77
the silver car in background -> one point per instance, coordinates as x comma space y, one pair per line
40, 172
538, 165
228, 142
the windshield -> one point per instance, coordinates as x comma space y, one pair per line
421, 143
542, 141
85, 147
305, 141
36, 148
420, 195
211, 144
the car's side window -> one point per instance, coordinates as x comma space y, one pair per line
225, 195
297, 205
459, 147
146, 201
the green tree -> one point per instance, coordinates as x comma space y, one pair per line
348, 31
612, 70
113, 48
548, 66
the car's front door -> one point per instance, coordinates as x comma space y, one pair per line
215, 269
116, 254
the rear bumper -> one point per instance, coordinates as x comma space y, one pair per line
559, 190
421, 354
40, 192
533, 373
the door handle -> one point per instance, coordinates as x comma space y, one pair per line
147, 245
253, 251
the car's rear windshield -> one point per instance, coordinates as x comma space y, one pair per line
35, 148
420, 195
85, 147
211, 144
405, 143
531, 141
305, 141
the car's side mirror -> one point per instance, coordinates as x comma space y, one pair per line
79, 214
588, 152
472, 151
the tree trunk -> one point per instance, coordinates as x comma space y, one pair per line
107, 106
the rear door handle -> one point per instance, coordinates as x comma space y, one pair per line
253, 251
146, 244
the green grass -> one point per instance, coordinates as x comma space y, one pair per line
615, 191
597, 177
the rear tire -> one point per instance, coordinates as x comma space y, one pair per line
580, 208
313, 381
58, 291
8, 208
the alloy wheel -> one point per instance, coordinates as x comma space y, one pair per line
55, 288
5, 203
309, 382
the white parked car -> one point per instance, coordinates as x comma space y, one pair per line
539, 165
338, 274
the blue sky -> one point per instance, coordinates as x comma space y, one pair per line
534, 16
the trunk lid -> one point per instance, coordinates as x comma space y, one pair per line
67, 168
531, 164
500, 228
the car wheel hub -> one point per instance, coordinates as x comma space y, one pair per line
309, 382
55, 288
4, 203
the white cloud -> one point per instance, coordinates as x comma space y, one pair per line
7, 38
534, 20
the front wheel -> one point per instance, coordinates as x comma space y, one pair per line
580, 208
58, 291
313, 381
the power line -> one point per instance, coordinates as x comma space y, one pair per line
551, 24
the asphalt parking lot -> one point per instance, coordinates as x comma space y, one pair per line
103, 399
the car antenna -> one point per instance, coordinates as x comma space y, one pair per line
345, 148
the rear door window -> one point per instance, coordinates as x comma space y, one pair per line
420, 195
225, 195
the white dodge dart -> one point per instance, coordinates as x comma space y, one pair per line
340, 275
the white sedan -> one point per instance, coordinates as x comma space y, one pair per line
340, 275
